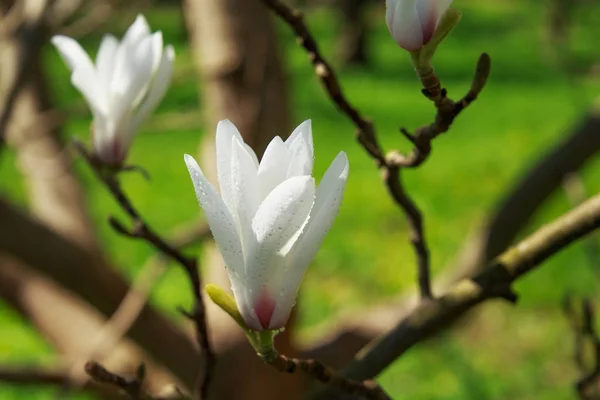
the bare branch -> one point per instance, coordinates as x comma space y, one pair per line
33, 376
130, 385
582, 319
143, 231
368, 389
494, 282
390, 164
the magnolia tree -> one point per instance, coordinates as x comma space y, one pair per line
269, 217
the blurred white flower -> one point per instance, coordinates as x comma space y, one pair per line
125, 85
269, 220
413, 22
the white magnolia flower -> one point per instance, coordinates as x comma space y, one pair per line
269, 220
412, 22
125, 85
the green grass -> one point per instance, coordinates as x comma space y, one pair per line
507, 352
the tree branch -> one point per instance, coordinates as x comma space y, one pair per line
494, 282
391, 164
130, 385
368, 389
141, 230
90, 277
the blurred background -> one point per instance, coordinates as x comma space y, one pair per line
497, 175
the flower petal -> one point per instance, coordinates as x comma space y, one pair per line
404, 24
273, 166
136, 32
300, 150
327, 202
84, 72
243, 301
283, 213
244, 191
105, 60
157, 90
219, 220
226, 130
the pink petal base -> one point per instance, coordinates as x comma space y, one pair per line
264, 307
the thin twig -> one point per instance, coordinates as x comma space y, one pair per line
368, 389
390, 164
133, 386
33, 376
583, 322
141, 230
493, 282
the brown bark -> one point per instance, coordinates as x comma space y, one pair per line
235, 49
355, 32
65, 249
347, 334
54, 192
70, 324
83, 273
528, 194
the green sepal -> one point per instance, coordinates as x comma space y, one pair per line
445, 26
227, 303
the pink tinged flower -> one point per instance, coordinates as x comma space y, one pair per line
123, 87
413, 22
270, 219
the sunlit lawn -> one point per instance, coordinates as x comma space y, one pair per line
521, 352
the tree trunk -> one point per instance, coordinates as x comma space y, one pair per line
354, 37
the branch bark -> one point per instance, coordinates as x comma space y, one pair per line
90, 277
492, 283
527, 195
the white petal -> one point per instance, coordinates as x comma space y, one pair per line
327, 203
303, 130
104, 142
160, 83
154, 54
84, 73
85, 81
136, 32
404, 24
300, 150
219, 219
429, 12
157, 50
243, 301
282, 213
105, 60
133, 83
245, 195
226, 130
273, 166
72, 53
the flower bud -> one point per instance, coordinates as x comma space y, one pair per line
413, 22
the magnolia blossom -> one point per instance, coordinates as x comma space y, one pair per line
270, 219
413, 22
125, 85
